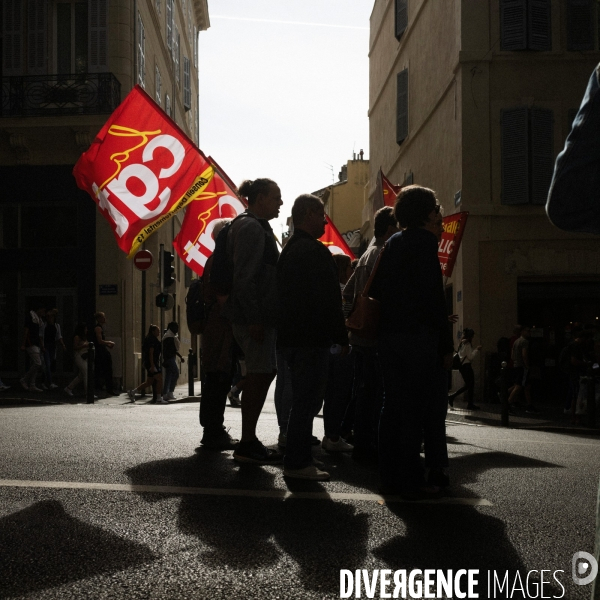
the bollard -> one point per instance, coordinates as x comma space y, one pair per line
504, 394
90, 373
191, 359
591, 397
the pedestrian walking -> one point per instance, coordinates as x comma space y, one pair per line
151, 350
367, 381
170, 349
33, 344
521, 365
103, 359
466, 355
80, 352
217, 363
415, 349
52, 339
310, 321
251, 307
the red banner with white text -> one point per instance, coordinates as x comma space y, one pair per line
141, 169
333, 239
454, 227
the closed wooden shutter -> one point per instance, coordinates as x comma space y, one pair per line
402, 106
37, 37
176, 40
169, 24
515, 156
98, 36
187, 89
401, 18
141, 52
513, 24
580, 30
12, 37
540, 25
542, 153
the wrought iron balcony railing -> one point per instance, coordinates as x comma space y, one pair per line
49, 95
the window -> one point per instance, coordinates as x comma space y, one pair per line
402, 106
176, 39
141, 52
525, 25
189, 19
169, 21
168, 105
12, 37
98, 41
157, 86
187, 84
72, 36
580, 29
37, 28
527, 155
195, 44
401, 18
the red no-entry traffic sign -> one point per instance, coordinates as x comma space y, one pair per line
142, 260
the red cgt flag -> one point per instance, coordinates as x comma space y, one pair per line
390, 191
219, 200
334, 240
454, 227
141, 169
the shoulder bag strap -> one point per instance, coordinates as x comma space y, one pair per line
365, 292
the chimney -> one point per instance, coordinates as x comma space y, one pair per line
361, 154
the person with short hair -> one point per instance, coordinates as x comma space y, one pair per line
33, 344
103, 360
310, 320
170, 350
251, 307
52, 339
151, 351
415, 349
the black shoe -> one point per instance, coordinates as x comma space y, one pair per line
473, 407
256, 453
314, 440
221, 441
451, 400
438, 478
532, 410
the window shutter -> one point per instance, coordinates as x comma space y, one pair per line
187, 91
168, 105
12, 37
195, 47
157, 85
515, 156
37, 37
540, 25
169, 15
580, 31
402, 106
141, 52
401, 17
98, 44
542, 153
176, 40
513, 24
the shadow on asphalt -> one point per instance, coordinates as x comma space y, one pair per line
43, 547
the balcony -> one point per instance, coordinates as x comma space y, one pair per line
52, 95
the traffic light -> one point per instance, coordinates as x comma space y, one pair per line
168, 269
165, 301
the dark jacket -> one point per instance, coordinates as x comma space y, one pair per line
409, 285
310, 300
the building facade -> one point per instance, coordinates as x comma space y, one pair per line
475, 99
66, 65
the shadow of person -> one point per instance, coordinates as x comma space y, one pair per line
245, 532
43, 547
443, 536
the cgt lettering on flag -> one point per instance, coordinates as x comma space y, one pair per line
141, 169
195, 243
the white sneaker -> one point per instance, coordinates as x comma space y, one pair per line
340, 446
163, 401
311, 472
53, 386
171, 396
24, 385
68, 392
131, 394
32, 388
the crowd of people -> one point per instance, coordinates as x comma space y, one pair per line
285, 315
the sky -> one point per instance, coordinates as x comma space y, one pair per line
284, 90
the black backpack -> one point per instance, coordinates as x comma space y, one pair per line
221, 273
194, 307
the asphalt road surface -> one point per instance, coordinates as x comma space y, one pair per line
111, 501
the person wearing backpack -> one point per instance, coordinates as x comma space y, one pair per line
251, 305
170, 350
464, 357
